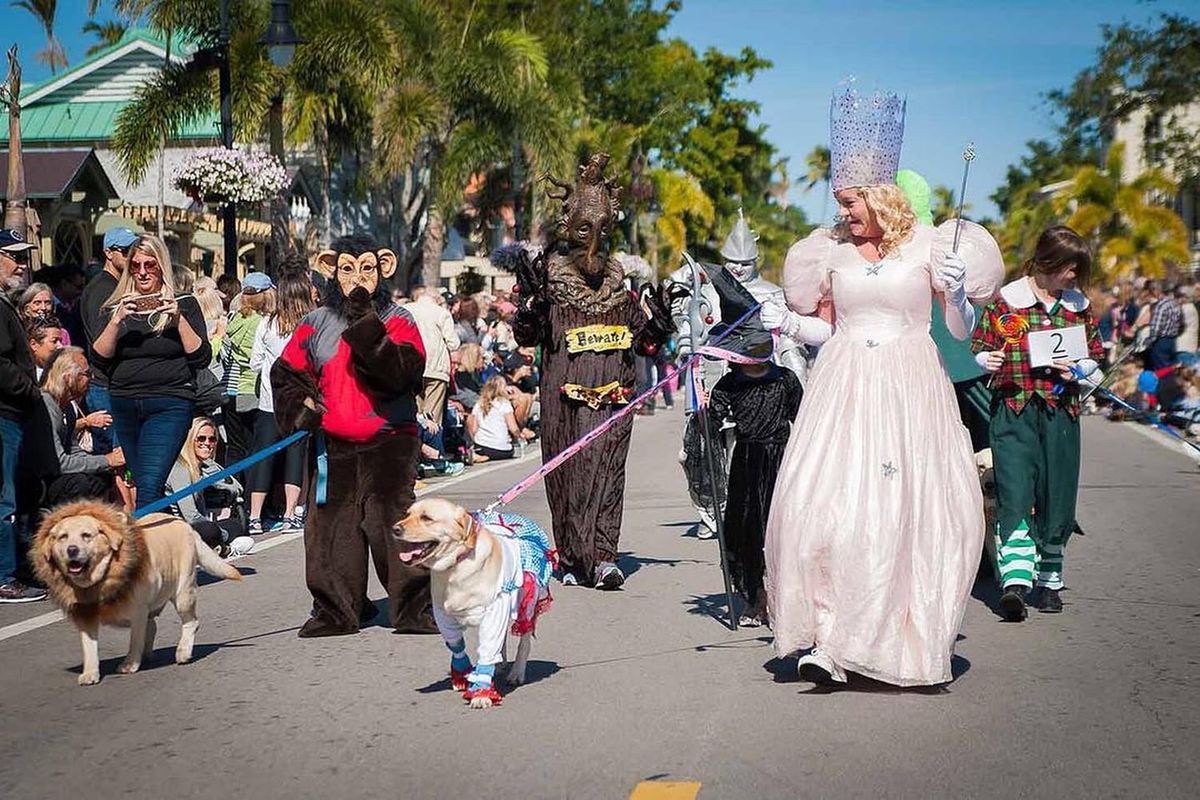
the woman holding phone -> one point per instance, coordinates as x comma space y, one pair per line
151, 349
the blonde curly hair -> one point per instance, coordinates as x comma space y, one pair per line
892, 212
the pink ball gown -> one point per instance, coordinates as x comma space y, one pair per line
876, 526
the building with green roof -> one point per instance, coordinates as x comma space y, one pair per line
77, 111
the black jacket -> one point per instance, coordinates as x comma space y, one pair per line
152, 364
19, 393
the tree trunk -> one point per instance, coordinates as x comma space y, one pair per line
431, 249
326, 179
14, 209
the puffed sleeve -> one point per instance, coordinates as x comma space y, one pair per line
806, 271
979, 251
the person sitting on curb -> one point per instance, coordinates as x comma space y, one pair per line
216, 512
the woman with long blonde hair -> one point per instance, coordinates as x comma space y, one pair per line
876, 523
215, 512
293, 302
151, 349
493, 424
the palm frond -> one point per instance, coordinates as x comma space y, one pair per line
409, 113
175, 97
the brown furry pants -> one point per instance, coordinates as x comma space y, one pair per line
370, 488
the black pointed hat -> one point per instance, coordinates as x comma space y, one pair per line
750, 338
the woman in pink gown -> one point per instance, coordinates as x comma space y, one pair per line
876, 528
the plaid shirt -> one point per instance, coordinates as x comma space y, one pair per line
1016, 382
1166, 321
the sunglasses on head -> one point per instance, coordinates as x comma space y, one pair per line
206, 440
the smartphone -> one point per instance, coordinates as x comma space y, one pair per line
144, 303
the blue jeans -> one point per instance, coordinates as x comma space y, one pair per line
10, 443
104, 440
152, 432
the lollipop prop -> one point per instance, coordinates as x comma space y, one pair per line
968, 157
1012, 327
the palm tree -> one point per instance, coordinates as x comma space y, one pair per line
819, 163
108, 34
469, 83
44, 10
1131, 233
945, 206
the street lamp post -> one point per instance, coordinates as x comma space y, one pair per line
225, 79
281, 41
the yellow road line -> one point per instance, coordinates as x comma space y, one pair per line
666, 790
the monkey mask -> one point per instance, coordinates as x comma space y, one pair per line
589, 209
357, 261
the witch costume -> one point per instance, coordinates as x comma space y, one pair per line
761, 409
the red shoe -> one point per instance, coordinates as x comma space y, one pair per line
488, 693
458, 680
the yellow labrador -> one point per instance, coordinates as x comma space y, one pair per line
102, 567
489, 571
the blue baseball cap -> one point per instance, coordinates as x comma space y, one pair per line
119, 237
256, 282
12, 241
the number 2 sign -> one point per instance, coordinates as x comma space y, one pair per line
1057, 344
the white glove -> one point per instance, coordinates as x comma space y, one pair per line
773, 314
798, 327
951, 276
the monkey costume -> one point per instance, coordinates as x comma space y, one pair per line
574, 304
350, 373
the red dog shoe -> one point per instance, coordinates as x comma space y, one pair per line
488, 693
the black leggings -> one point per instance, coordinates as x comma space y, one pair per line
266, 433
493, 455
222, 531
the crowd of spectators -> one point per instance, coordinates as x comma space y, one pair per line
134, 380
1151, 334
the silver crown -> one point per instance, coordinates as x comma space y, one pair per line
865, 136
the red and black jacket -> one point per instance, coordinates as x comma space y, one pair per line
366, 373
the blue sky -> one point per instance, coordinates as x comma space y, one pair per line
972, 71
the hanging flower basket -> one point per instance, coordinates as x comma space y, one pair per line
220, 175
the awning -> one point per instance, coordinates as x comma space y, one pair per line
248, 230
51, 174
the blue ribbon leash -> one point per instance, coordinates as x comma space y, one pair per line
204, 483
322, 469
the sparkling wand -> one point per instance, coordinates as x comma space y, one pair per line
968, 157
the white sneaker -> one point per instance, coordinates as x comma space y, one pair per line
707, 528
241, 546
817, 667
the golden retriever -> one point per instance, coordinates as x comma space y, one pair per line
102, 567
481, 578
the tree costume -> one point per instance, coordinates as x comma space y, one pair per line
1034, 438
350, 373
573, 303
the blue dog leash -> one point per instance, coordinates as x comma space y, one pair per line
204, 483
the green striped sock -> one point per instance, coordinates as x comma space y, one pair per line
1050, 565
1017, 557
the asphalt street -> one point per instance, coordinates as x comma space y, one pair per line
645, 684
